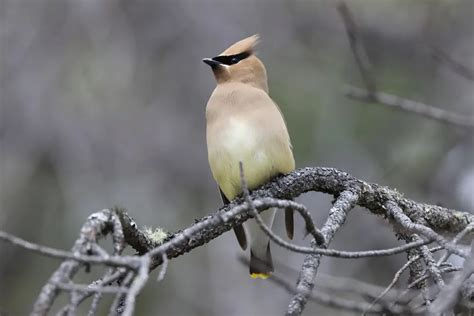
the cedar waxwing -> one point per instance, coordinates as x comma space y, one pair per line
244, 124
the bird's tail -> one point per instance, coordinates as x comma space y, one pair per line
261, 264
261, 267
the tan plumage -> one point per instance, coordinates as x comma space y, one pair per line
244, 124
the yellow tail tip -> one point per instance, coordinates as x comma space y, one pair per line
262, 276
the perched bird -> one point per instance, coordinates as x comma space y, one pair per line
245, 125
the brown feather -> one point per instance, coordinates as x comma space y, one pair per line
239, 230
246, 45
289, 223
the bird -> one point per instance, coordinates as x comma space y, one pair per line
244, 125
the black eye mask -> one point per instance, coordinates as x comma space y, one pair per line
231, 59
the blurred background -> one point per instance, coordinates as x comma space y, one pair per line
102, 104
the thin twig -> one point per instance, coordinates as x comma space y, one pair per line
448, 296
397, 276
95, 304
372, 95
336, 302
310, 226
115, 261
397, 213
452, 64
164, 267
469, 228
337, 283
326, 252
98, 296
357, 47
92, 289
73, 303
137, 285
427, 275
399, 103
97, 225
107, 280
117, 306
432, 267
333, 252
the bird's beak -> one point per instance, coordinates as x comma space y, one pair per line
211, 62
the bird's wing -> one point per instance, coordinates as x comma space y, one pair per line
238, 230
289, 223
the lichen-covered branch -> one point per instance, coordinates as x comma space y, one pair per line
429, 220
327, 180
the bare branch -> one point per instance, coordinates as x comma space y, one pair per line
107, 280
97, 225
448, 296
432, 267
342, 284
333, 252
310, 226
118, 304
137, 285
358, 49
95, 304
164, 267
469, 228
398, 274
399, 103
426, 276
287, 187
336, 302
417, 271
371, 95
91, 289
396, 212
348, 191
452, 64
116, 261
318, 236
337, 216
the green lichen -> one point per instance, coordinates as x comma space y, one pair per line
156, 235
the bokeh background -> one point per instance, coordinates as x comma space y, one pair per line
102, 104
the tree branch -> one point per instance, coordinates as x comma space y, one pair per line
319, 179
371, 95
399, 103
449, 295
358, 49
454, 65
97, 225
348, 191
337, 216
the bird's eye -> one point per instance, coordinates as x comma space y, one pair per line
231, 59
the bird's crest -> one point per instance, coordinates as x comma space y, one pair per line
246, 45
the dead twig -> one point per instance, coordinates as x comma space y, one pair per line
399, 103
452, 64
358, 49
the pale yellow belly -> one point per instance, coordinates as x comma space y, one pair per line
240, 142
